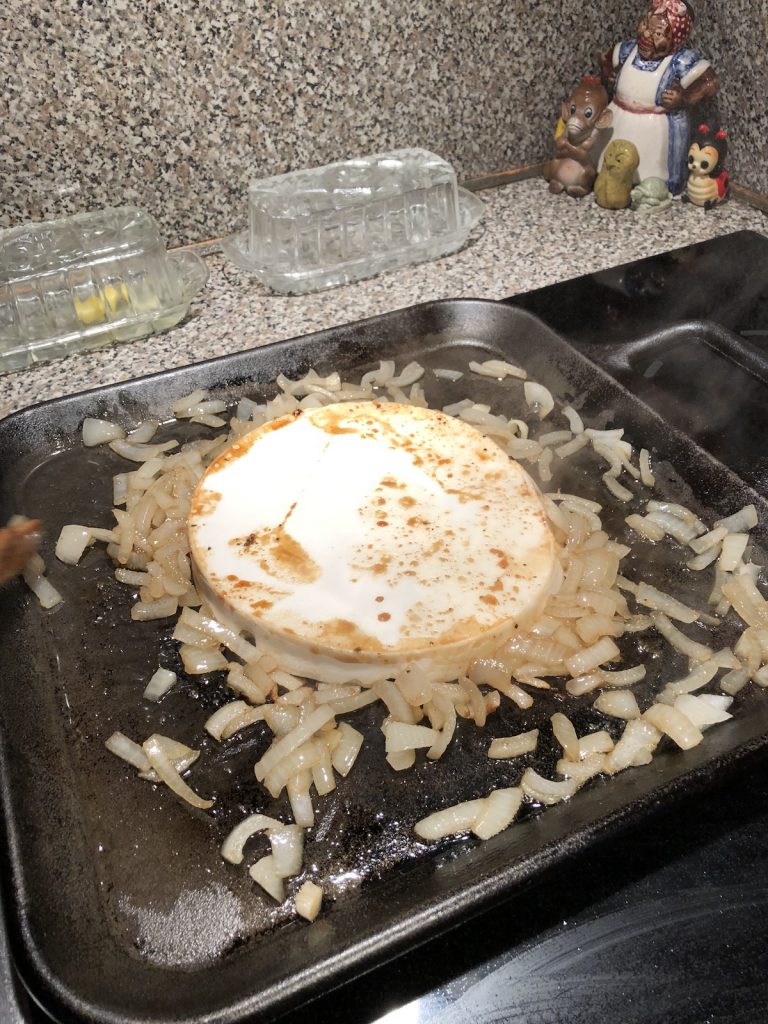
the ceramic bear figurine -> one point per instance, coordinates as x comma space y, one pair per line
707, 177
583, 117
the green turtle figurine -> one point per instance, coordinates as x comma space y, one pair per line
650, 196
614, 182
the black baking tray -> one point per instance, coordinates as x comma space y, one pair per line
117, 905
706, 381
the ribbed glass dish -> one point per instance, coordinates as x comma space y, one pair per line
327, 226
87, 281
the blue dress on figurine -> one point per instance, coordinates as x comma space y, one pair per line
661, 136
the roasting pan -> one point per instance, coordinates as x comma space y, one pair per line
117, 905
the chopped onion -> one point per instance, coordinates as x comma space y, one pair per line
721, 701
696, 678
646, 474
565, 734
144, 433
678, 511
401, 736
699, 711
581, 771
346, 751
300, 799
163, 608
401, 760
574, 420
708, 540
408, 375
733, 548
635, 747
41, 587
140, 452
263, 872
645, 527
704, 559
661, 602
617, 490
584, 684
564, 451
623, 677
199, 661
539, 397
160, 683
322, 771
747, 600
187, 401
744, 519
287, 842
674, 724
554, 437
236, 643
119, 744
233, 846
308, 900
498, 812
545, 791
514, 746
72, 542
498, 368
182, 757
591, 657
690, 648
459, 818
283, 746
599, 742
734, 681
677, 528
381, 376
219, 720
156, 750
618, 704
445, 374
97, 432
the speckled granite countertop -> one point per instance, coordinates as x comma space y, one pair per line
530, 239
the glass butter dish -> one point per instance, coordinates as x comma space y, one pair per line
327, 226
87, 281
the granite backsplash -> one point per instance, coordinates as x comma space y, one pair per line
175, 106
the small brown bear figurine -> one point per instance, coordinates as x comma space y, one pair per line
584, 115
707, 178
613, 186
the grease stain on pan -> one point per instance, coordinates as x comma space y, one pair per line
200, 926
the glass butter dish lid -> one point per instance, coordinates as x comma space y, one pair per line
87, 281
327, 226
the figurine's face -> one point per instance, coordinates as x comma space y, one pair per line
619, 156
584, 111
654, 37
702, 160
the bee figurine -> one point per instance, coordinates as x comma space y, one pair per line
707, 178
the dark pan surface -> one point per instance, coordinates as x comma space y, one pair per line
118, 906
708, 382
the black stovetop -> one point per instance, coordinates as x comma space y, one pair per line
667, 921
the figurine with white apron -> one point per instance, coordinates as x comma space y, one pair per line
656, 78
